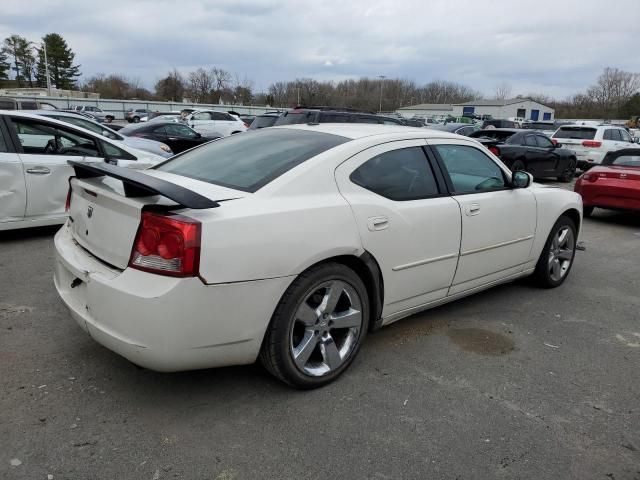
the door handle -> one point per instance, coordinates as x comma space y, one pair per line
377, 223
472, 209
39, 171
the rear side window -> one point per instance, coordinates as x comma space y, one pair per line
543, 142
263, 122
249, 162
530, 141
403, 174
625, 136
28, 105
7, 105
335, 118
578, 133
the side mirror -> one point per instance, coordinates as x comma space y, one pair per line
520, 179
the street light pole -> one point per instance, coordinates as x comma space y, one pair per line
46, 69
382, 77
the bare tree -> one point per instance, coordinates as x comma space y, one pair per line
502, 91
200, 85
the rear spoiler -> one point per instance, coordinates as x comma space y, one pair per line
137, 184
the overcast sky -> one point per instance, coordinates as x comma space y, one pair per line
554, 47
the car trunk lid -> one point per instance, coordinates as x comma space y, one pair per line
106, 205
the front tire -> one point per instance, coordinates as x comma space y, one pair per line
318, 327
570, 172
557, 256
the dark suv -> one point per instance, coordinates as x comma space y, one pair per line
317, 115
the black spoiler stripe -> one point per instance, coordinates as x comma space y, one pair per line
137, 184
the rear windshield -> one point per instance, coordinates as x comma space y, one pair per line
263, 122
493, 135
290, 118
579, 133
248, 162
538, 126
624, 161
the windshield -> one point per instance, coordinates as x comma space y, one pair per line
263, 121
92, 127
578, 133
248, 162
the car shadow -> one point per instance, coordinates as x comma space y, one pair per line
615, 217
28, 233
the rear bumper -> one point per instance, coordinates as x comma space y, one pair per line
588, 158
612, 194
163, 323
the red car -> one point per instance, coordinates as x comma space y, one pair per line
615, 184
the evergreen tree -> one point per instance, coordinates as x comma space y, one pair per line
21, 51
4, 65
60, 57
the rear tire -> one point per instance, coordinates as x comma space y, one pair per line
518, 166
570, 172
317, 328
136, 119
587, 211
557, 256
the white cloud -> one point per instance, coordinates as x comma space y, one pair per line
555, 47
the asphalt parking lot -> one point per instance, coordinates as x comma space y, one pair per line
515, 382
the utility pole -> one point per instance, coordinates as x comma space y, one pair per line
46, 69
382, 77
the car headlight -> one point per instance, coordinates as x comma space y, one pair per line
165, 147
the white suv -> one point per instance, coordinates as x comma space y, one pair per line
209, 122
592, 143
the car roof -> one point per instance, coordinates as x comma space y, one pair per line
356, 131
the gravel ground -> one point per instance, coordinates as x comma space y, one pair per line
515, 382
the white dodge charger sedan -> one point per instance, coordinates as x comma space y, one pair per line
292, 243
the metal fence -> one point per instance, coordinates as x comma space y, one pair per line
119, 107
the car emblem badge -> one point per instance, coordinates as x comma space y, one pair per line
89, 212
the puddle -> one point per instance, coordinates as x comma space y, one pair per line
481, 341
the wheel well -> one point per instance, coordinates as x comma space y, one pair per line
367, 268
574, 215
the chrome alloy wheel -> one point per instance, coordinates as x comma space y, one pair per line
561, 253
326, 328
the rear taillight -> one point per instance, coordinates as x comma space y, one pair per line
495, 151
167, 244
591, 144
554, 141
246, 124
67, 203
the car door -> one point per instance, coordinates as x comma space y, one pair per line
533, 155
498, 222
611, 140
626, 139
13, 192
224, 123
549, 157
181, 138
405, 219
44, 151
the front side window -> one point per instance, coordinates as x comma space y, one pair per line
248, 162
543, 142
626, 161
42, 138
403, 174
625, 136
470, 170
112, 151
530, 141
180, 131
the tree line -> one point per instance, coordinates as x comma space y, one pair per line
614, 94
24, 60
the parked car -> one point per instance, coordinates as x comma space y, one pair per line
247, 119
291, 243
95, 111
330, 115
530, 151
34, 173
147, 145
135, 115
498, 123
615, 184
592, 143
264, 120
8, 103
458, 128
210, 123
179, 137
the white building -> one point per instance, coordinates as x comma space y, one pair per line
515, 107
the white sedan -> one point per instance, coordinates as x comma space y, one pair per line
292, 243
34, 174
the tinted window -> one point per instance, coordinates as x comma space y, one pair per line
530, 141
625, 136
159, 131
401, 174
615, 135
248, 162
7, 105
493, 134
3, 143
578, 133
543, 142
470, 170
179, 130
538, 126
334, 118
202, 116
28, 105
114, 152
363, 119
221, 116
290, 118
